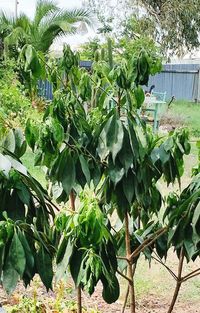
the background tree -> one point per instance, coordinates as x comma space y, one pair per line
177, 23
173, 24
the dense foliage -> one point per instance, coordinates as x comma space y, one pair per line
26, 238
14, 105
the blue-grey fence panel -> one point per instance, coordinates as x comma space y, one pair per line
179, 80
45, 89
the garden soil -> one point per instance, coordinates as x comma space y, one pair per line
147, 304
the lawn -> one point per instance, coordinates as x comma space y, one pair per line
187, 114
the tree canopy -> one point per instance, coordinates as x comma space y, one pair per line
173, 24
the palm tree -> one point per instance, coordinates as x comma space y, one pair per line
49, 23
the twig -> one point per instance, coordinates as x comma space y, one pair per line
125, 300
148, 242
191, 276
169, 270
125, 277
122, 258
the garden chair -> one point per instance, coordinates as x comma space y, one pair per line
153, 108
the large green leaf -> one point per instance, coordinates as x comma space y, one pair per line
30, 261
111, 289
10, 278
20, 143
9, 142
17, 255
128, 186
85, 168
115, 172
139, 96
196, 215
126, 154
63, 265
44, 267
114, 135
5, 164
31, 133
75, 263
23, 193
68, 174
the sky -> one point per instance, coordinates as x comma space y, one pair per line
27, 6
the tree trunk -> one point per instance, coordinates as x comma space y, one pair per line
79, 299
178, 283
130, 269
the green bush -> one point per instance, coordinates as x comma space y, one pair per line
13, 101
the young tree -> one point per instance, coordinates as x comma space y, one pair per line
92, 137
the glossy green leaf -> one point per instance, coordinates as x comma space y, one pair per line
111, 289
10, 278
139, 96
85, 168
5, 164
44, 262
115, 172
68, 174
17, 255
128, 186
9, 142
64, 262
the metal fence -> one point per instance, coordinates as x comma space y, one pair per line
179, 80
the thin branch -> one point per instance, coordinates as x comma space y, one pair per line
125, 277
169, 270
125, 300
122, 258
148, 242
191, 275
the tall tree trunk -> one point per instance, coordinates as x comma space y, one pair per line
130, 269
178, 283
79, 298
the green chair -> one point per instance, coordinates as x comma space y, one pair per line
161, 96
155, 108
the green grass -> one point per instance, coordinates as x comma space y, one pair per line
189, 113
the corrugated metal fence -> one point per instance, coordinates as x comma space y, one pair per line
179, 80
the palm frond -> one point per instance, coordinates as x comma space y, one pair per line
24, 22
6, 24
54, 31
6, 19
44, 8
18, 34
49, 23
74, 16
